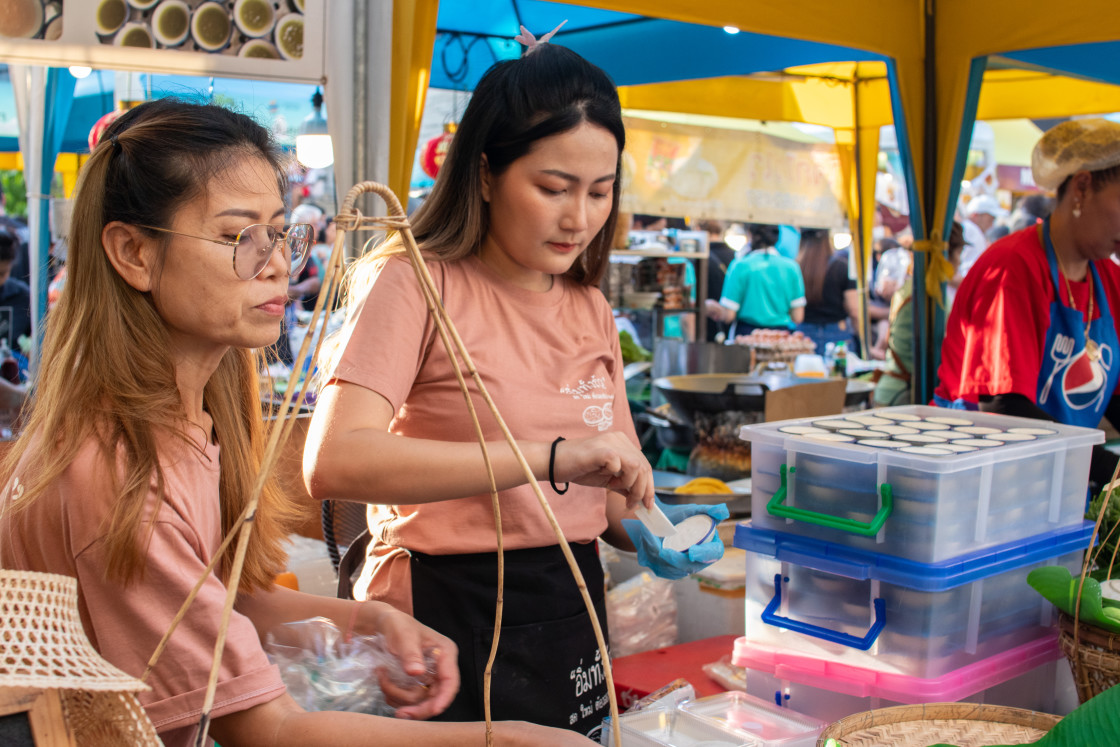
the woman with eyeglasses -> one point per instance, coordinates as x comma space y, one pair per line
146, 436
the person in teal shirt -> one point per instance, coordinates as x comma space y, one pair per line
763, 290
674, 327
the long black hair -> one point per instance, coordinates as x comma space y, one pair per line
549, 91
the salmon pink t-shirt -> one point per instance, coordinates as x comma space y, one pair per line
552, 364
62, 532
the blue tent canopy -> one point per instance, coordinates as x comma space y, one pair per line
269, 102
633, 49
1098, 61
93, 97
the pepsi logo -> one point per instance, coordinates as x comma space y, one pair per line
1083, 381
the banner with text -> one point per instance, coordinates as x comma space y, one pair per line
703, 172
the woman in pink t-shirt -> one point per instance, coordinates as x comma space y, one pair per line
518, 230
145, 438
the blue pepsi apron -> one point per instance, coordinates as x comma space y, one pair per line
1074, 384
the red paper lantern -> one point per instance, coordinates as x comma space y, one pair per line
435, 151
101, 125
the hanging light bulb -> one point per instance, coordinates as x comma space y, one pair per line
313, 143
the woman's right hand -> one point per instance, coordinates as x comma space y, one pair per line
609, 460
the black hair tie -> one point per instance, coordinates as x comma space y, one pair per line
552, 468
116, 143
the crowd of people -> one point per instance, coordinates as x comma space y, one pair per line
793, 279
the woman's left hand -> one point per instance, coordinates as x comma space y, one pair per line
410, 640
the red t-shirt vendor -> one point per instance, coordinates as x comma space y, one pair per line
1033, 329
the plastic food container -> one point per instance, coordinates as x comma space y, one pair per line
921, 483
660, 727
732, 719
771, 725
878, 612
1023, 677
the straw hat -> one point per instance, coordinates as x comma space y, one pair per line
45, 648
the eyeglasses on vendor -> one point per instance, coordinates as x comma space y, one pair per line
254, 245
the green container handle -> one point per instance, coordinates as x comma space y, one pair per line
776, 507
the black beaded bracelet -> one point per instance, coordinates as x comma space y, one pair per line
552, 468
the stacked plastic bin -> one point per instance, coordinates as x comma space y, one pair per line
888, 552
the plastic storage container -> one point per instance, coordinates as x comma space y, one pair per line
1023, 677
770, 725
660, 727
731, 719
891, 615
921, 483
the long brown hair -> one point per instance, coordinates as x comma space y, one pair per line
816, 252
106, 371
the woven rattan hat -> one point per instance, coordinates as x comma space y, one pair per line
45, 648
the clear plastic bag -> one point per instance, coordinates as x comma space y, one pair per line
325, 671
643, 615
726, 674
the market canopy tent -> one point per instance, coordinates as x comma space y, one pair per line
471, 36
936, 52
93, 96
637, 49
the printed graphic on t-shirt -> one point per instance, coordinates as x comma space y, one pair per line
599, 413
1081, 378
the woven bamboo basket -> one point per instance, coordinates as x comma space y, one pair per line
1094, 655
962, 724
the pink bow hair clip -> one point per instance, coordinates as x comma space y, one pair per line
531, 42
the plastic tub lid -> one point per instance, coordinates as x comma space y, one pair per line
769, 725
863, 682
1059, 438
850, 562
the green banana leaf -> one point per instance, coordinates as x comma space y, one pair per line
1059, 587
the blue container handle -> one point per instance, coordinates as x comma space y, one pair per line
776, 506
845, 639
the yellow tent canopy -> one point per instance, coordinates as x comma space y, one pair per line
937, 49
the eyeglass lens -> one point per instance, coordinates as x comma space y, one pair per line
257, 242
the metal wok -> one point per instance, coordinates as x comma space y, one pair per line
714, 393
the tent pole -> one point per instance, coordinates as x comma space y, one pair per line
923, 392
361, 84
864, 331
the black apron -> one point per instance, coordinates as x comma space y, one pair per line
548, 669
